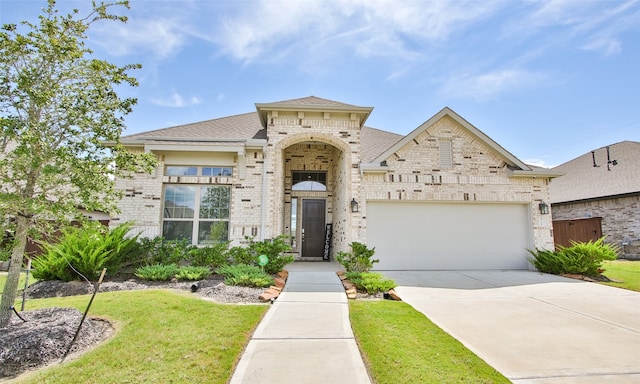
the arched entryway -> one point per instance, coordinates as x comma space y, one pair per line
314, 185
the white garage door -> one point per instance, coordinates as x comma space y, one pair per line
436, 236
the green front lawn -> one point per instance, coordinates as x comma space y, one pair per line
164, 336
625, 271
161, 337
400, 345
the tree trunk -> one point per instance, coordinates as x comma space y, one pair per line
11, 286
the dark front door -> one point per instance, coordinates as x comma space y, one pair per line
313, 220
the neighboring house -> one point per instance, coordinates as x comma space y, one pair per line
445, 196
599, 195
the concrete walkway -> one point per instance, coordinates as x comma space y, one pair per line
306, 336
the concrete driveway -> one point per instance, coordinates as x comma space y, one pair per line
533, 327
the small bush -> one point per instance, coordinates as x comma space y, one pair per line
86, 250
160, 251
212, 256
157, 272
360, 259
193, 273
241, 255
580, 258
274, 249
78, 251
370, 282
245, 275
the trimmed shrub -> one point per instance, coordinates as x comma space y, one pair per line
360, 259
370, 282
212, 256
245, 275
274, 249
157, 272
161, 251
241, 255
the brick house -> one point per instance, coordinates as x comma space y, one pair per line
445, 196
599, 195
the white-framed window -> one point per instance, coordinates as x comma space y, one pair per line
179, 170
198, 213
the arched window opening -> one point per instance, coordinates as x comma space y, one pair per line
309, 186
309, 181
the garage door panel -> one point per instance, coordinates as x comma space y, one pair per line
448, 236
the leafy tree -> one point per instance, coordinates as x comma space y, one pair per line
58, 110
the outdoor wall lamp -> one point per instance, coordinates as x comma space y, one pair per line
354, 205
544, 208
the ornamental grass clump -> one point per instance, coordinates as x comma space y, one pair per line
370, 282
193, 273
245, 275
157, 272
581, 258
85, 251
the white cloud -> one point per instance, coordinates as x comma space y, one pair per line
489, 85
366, 28
538, 163
570, 22
159, 36
176, 101
606, 45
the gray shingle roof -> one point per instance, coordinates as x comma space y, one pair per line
375, 141
581, 180
245, 126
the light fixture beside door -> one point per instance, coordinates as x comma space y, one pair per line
354, 205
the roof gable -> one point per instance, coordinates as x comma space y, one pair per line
583, 181
311, 103
510, 159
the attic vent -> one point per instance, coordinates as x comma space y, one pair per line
446, 154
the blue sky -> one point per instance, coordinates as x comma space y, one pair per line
547, 80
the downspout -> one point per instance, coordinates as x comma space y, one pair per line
263, 207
